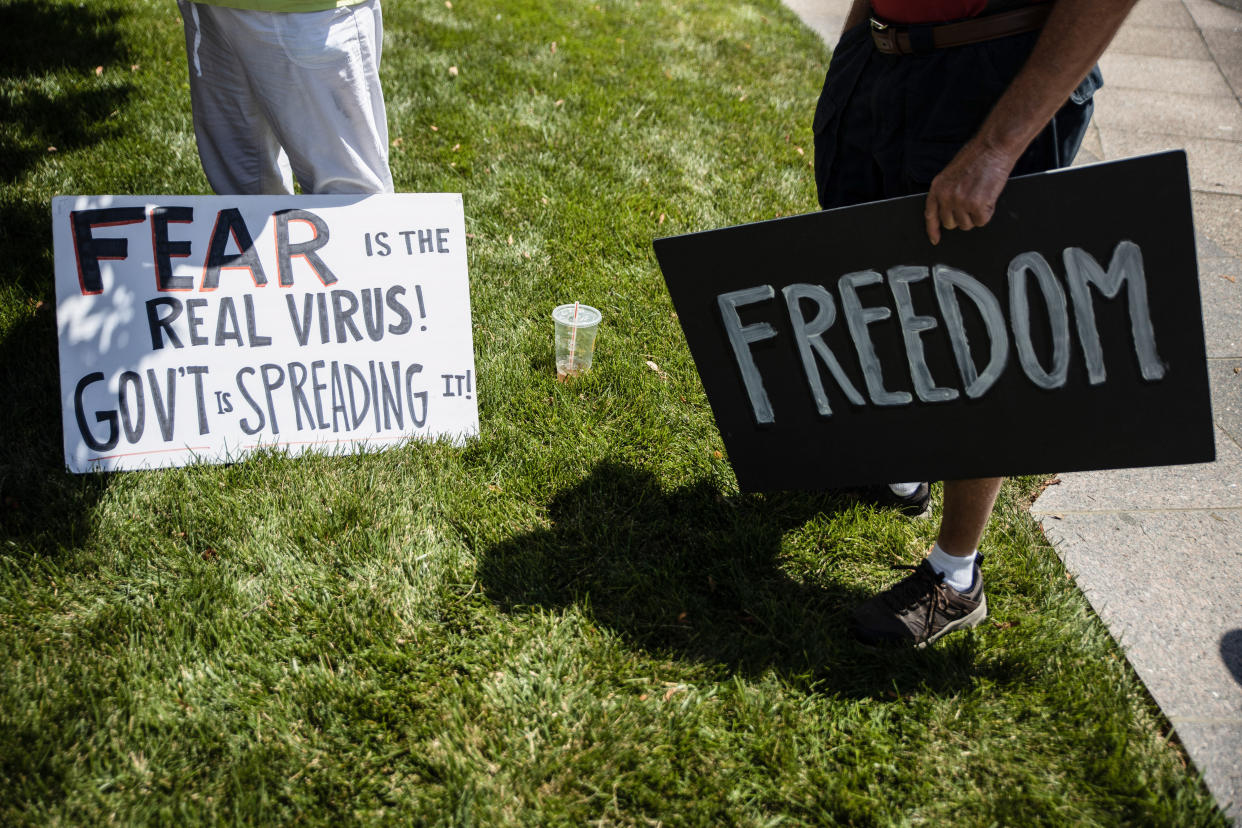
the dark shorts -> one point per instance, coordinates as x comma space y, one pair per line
886, 125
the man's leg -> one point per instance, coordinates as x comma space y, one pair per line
945, 591
967, 507
315, 76
239, 151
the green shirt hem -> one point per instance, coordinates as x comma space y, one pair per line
281, 5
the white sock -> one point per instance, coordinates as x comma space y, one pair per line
904, 489
959, 570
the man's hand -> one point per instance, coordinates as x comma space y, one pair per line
964, 195
1077, 32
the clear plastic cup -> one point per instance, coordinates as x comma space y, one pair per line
576, 327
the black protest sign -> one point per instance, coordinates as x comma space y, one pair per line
842, 348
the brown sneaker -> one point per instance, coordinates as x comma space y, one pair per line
920, 608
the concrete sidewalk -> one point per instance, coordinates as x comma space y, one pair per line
1158, 552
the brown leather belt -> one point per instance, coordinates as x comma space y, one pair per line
892, 39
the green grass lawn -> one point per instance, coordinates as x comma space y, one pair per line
576, 619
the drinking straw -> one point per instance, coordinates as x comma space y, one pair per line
573, 336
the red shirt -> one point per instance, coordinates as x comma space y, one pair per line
935, 11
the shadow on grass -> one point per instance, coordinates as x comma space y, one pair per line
52, 98
696, 576
42, 43
26, 248
43, 508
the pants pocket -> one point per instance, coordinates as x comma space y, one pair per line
849, 59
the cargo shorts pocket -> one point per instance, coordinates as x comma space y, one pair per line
1093, 81
849, 60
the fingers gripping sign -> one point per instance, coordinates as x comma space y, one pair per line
964, 195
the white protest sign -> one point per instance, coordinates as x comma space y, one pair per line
200, 328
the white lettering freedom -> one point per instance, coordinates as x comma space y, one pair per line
1125, 270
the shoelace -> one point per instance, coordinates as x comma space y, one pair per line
905, 594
